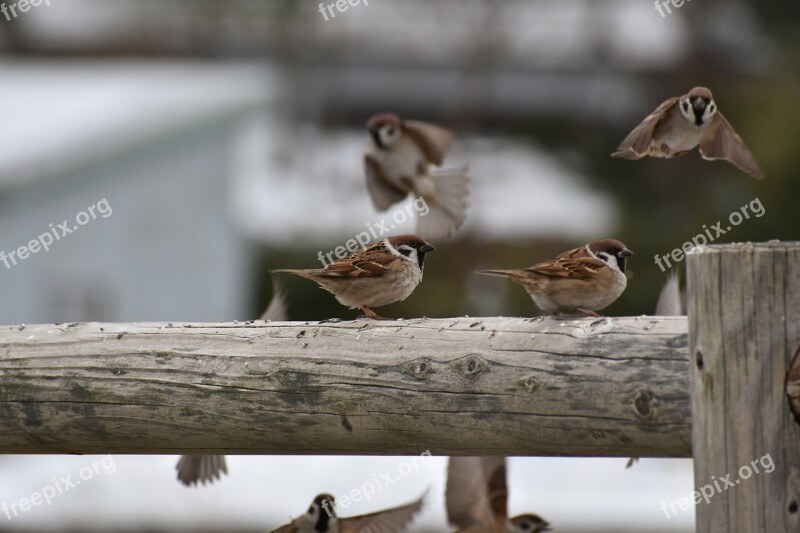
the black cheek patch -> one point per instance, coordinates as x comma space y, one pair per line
621, 261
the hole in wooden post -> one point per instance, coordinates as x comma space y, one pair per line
793, 507
793, 386
698, 360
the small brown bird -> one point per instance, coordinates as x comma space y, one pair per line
581, 280
400, 159
195, 469
682, 123
477, 497
383, 273
321, 518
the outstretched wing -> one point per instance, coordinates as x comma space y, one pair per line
389, 521
433, 140
637, 143
722, 142
383, 193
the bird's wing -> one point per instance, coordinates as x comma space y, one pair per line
370, 262
466, 496
433, 140
637, 143
669, 300
494, 469
579, 268
383, 193
722, 142
278, 309
389, 521
193, 469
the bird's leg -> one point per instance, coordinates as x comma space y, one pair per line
369, 313
587, 312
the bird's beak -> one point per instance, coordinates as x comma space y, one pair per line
425, 248
625, 253
699, 104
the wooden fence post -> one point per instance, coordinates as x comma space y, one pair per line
744, 331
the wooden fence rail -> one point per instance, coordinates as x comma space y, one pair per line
722, 386
508, 386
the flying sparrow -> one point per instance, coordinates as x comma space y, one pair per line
195, 469
582, 280
681, 124
477, 496
321, 518
399, 160
383, 273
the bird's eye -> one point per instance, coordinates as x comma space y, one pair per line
711, 108
390, 130
311, 510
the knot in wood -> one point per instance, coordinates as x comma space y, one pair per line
470, 366
645, 404
530, 383
419, 368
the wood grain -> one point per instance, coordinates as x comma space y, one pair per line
471, 386
744, 308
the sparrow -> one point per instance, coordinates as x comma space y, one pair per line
194, 469
321, 518
682, 123
385, 272
671, 300
401, 158
581, 280
476, 498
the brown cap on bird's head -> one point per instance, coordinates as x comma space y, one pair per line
376, 121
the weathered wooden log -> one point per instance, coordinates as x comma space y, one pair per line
499, 386
744, 309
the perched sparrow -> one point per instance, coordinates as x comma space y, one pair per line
477, 497
671, 300
321, 518
682, 123
194, 469
398, 161
582, 280
383, 273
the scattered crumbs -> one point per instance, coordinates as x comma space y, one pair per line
120, 334
305, 344
563, 324
533, 337
21, 327
246, 365
169, 325
301, 334
235, 321
358, 336
400, 348
475, 324
102, 329
441, 329
30, 337
483, 327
